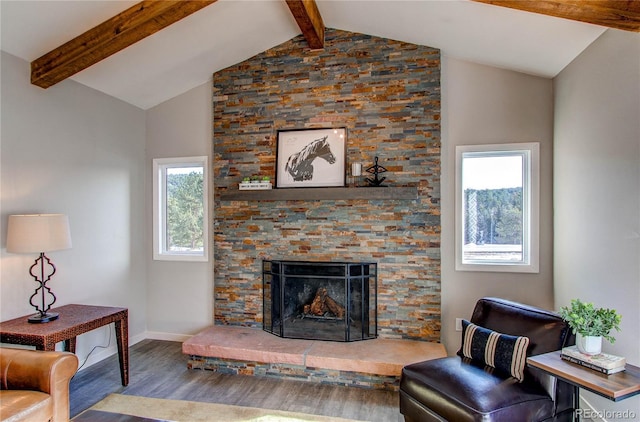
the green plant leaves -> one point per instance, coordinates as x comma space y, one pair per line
586, 319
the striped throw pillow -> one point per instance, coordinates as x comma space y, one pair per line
507, 354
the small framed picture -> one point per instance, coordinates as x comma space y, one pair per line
311, 158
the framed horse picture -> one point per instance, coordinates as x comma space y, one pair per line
311, 158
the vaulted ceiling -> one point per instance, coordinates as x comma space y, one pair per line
213, 35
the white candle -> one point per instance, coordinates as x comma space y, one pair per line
356, 169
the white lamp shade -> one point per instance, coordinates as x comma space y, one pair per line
35, 233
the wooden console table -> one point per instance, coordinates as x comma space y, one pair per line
73, 321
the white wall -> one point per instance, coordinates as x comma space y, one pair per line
597, 188
73, 150
180, 294
487, 105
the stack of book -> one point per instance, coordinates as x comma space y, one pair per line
603, 362
255, 185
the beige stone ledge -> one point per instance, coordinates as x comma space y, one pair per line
377, 356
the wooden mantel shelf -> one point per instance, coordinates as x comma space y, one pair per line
322, 194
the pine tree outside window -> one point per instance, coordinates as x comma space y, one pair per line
180, 220
497, 202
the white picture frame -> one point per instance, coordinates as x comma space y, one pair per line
311, 158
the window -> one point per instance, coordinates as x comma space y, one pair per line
180, 222
497, 200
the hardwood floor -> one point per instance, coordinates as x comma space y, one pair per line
159, 369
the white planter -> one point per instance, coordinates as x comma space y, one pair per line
589, 345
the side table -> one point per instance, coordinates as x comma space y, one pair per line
615, 387
73, 321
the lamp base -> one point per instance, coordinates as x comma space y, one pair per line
40, 318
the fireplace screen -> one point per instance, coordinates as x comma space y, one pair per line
320, 300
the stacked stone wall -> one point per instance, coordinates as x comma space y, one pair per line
387, 94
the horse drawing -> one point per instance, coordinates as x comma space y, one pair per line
299, 165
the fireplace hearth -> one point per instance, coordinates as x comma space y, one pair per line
334, 301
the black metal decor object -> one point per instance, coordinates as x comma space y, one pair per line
43, 315
376, 169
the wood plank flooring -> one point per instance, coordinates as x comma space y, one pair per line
159, 369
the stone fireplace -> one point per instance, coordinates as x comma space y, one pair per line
386, 94
320, 300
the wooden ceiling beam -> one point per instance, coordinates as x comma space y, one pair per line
111, 36
309, 20
618, 14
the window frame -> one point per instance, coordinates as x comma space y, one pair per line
531, 207
160, 166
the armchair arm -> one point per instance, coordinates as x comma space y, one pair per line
48, 372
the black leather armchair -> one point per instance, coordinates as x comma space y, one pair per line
459, 389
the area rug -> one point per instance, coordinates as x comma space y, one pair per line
190, 411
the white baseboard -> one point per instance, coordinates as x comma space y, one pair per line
137, 339
102, 353
156, 335
593, 414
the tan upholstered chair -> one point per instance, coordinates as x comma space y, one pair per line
35, 384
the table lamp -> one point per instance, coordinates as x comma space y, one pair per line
39, 233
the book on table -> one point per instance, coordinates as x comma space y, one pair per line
602, 362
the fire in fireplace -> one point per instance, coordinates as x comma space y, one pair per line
320, 300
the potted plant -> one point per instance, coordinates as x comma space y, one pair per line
590, 325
